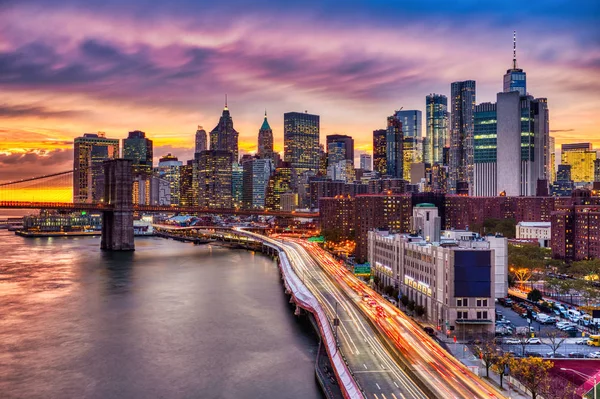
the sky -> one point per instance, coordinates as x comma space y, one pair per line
71, 67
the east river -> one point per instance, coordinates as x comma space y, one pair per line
170, 320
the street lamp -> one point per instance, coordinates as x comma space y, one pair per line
584, 376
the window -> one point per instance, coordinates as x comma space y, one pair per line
478, 315
462, 315
462, 302
485, 303
482, 302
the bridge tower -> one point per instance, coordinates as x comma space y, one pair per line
117, 223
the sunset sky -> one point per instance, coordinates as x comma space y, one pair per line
72, 67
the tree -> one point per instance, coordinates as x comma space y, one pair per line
411, 305
557, 388
555, 340
501, 365
534, 295
589, 269
488, 354
420, 310
404, 300
532, 372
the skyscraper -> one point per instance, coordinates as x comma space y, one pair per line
169, 168
139, 149
461, 136
265, 140
339, 147
257, 172
301, 141
436, 109
224, 137
214, 176
366, 162
551, 160
394, 146
515, 78
484, 153
581, 157
188, 183
89, 153
237, 184
379, 151
412, 151
200, 140
280, 182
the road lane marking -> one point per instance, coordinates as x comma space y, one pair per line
378, 386
365, 366
383, 395
396, 384
376, 397
382, 366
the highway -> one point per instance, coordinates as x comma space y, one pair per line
378, 374
444, 375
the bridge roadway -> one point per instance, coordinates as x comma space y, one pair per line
443, 374
378, 374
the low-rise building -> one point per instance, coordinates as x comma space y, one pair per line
535, 230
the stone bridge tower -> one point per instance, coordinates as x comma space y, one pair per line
117, 223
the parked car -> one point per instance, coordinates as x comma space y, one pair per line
576, 355
593, 355
570, 328
511, 341
534, 341
555, 355
582, 341
533, 354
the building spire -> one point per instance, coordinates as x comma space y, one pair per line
226, 102
514, 49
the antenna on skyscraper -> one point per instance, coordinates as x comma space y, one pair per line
225, 101
514, 49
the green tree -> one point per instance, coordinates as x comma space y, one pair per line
532, 372
420, 310
404, 300
534, 295
411, 305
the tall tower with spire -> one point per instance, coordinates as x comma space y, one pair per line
224, 137
265, 140
200, 140
515, 78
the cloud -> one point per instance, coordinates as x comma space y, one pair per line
19, 111
23, 165
561, 130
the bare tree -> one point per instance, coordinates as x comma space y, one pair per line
555, 340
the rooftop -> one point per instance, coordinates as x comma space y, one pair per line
534, 224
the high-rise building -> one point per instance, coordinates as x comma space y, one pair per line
523, 143
215, 179
412, 151
301, 141
597, 170
150, 190
257, 172
340, 147
552, 160
581, 157
563, 185
188, 185
484, 151
139, 149
89, 153
265, 140
436, 109
394, 148
237, 185
461, 136
169, 168
224, 137
515, 78
366, 162
200, 140
379, 151
279, 183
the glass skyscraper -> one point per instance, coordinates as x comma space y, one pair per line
301, 141
436, 109
139, 149
394, 146
89, 153
462, 95
515, 78
413, 139
485, 148
379, 151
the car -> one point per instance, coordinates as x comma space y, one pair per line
564, 326
593, 355
582, 341
429, 331
533, 354
511, 341
576, 355
534, 341
570, 328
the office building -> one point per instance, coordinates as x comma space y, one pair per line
139, 149
552, 160
366, 162
454, 281
257, 172
150, 190
169, 168
412, 147
237, 185
301, 141
280, 182
484, 150
337, 215
265, 140
339, 147
394, 141
341, 171
462, 96
515, 78
581, 157
436, 114
563, 185
540, 231
215, 179
379, 151
200, 140
289, 202
597, 170
224, 137
426, 222
188, 184
89, 153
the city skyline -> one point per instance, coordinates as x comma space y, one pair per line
62, 82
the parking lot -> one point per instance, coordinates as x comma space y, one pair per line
541, 331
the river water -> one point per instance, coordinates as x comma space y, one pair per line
170, 320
